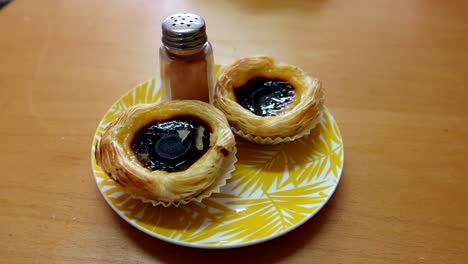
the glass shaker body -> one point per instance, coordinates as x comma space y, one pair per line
187, 73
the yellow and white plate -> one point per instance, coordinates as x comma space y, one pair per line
274, 189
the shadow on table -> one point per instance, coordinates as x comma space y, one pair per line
268, 252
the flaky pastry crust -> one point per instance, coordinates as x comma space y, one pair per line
297, 119
116, 157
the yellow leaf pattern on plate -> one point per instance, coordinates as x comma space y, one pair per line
274, 188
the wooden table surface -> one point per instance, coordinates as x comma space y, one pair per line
396, 74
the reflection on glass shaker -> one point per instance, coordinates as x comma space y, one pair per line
186, 59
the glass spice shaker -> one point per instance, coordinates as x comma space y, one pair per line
186, 59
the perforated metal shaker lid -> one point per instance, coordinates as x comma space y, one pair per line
184, 31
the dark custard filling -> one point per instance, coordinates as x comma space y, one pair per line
264, 96
172, 145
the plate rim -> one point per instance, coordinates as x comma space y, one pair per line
207, 246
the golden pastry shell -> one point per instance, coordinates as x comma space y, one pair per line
116, 157
294, 121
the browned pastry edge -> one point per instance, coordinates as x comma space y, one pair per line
297, 119
117, 159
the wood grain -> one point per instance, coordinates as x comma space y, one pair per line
396, 74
